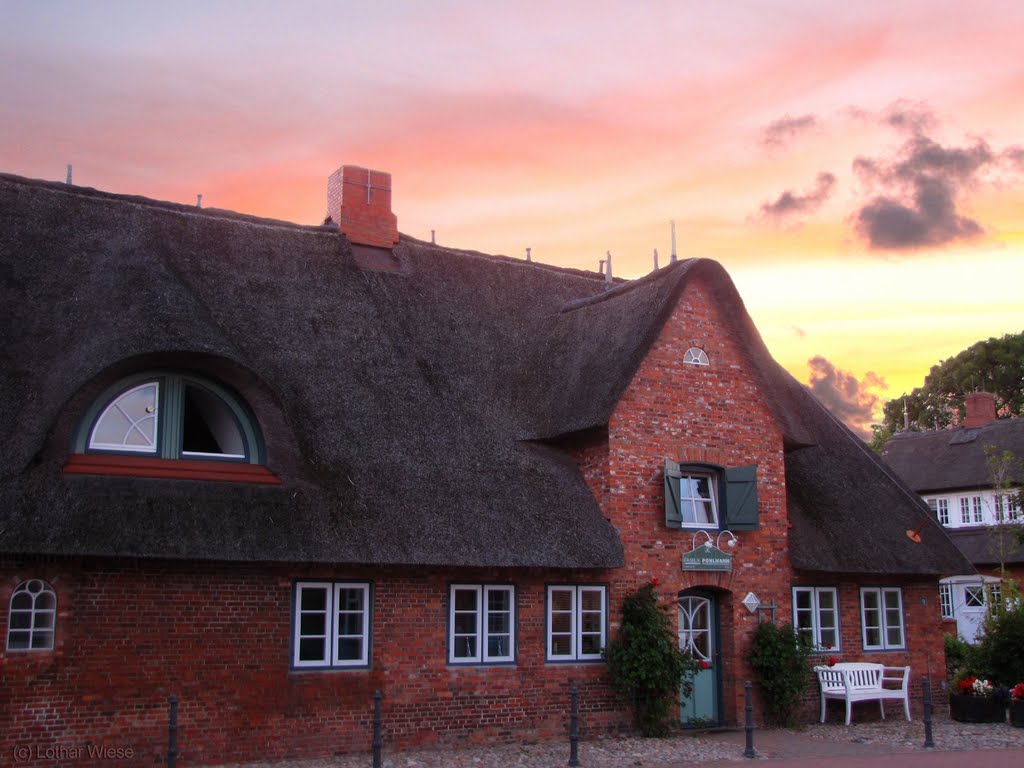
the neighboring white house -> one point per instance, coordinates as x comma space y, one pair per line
950, 469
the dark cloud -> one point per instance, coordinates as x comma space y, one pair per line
849, 399
921, 189
790, 203
785, 129
909, 116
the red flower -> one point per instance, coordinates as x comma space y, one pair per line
832, 661
704, 665
1018, 692
654, 581
966, 685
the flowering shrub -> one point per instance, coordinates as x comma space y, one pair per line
1017, 692
832, 661
972, 686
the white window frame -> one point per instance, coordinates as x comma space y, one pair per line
965, 510
576, 612
979, 514
940, 508
42, 621
482, 635
816, 613
692, 501
884, 624
946, 601
330, 658
696, 356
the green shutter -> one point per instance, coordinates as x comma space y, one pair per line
673, 517
740, 508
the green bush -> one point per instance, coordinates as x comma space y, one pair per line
1003, 645
781, 661
645, 662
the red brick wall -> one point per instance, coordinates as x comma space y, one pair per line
218, 638
713, 414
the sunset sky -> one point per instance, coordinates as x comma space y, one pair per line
857, 167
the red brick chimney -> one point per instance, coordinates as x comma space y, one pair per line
980, 408
359, 202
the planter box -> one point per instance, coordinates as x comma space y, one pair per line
976, 709
1017, 713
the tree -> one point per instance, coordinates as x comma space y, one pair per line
996, 366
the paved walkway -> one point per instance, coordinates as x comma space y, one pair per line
794, 749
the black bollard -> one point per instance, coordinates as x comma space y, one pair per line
574, 725
377, 740
172, 734
929, 743
748, 711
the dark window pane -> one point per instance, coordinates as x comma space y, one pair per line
21, 601
591, 644
350, 624
42, 640
498, 601
497, 646
498, 623
209, 426
465, 647
350, 599
313, 624
561, 600
465, 623
312, 649
350, 649
561, 622
561, 645
18, 640
465, 600
590, 600
21, 620
314, 599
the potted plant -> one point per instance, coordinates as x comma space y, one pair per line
1017, 705
975, 701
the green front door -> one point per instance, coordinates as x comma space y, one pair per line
698, 616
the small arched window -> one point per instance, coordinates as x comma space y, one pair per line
171, 416
32, 617
696, 356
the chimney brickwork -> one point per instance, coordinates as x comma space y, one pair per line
980, 408
359, 201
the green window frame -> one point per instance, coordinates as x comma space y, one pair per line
171, 415
731, 494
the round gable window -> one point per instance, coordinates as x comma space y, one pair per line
696, 356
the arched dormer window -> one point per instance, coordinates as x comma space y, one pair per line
169, 424
696, 356
32, 617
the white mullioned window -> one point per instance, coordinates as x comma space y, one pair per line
331, 624
32, 617
481, 624
696, 356
965, 509
979, 516
946, 600
816, 615
576, 622
940, 508
881, 612
698, 504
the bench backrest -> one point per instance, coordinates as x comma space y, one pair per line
851, 676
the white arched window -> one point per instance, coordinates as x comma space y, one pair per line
32, 617
696, 356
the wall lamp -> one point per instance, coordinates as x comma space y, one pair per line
710, 540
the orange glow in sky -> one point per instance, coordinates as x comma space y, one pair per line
858, 169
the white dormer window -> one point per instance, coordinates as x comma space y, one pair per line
696, 356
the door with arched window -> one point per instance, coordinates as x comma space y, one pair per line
698, 636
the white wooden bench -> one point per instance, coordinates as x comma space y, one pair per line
856, 681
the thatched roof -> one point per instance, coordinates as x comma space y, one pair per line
411, 410
956, 459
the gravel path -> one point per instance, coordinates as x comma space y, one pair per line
634, 752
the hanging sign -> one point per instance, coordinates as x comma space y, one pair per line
705, 558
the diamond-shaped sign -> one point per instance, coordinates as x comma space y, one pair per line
751, 601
